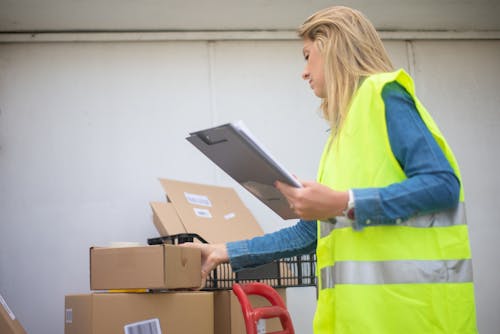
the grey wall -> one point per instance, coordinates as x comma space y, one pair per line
154, 15
86, 128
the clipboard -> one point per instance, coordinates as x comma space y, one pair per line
236, 151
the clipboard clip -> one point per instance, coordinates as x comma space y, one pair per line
210, 139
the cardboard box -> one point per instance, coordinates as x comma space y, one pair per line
218, 215
8, 322
145, 267
166, 219
109, 313
228, 317
215, 213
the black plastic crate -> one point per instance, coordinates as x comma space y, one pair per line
288, 272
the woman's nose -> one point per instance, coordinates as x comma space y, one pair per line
305, 74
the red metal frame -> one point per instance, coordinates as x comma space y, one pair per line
253, 315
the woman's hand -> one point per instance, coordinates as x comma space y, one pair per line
314, 201
211, 256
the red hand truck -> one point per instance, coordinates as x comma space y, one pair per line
253, 315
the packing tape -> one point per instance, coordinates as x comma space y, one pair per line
118, 244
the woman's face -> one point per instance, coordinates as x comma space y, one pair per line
314, 71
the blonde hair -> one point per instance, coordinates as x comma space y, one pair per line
351, 49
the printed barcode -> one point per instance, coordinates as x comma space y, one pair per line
197, 199
151, 326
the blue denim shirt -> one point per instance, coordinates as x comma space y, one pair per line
431, 186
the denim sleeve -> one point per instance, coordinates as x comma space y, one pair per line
292, 241
431, 183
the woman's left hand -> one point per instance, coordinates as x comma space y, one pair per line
314, 201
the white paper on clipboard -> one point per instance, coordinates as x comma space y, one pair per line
235, 150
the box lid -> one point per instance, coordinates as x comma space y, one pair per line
166, 219
215, 213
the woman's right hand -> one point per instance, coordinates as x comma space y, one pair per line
211, 256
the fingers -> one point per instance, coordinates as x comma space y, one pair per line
204, 276
211, 256
205, 266
303, 201
285, 189
307, 183
291, 193
204, 248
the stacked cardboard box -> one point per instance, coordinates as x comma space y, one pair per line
153, 267
109, 313
141, 268
170, 273
218, 215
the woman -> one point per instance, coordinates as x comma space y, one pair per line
386, 214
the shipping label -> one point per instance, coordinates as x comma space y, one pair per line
151, 326
198, 199
69, 316
203, 213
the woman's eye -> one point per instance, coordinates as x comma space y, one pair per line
306, 57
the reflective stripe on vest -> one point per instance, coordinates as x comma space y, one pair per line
396, 272
440, 219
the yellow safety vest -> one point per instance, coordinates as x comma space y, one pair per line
413, 277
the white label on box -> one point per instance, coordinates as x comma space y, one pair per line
229, 216
203, 213
6, 307
261, 326
69, 316
198, 199
151, 326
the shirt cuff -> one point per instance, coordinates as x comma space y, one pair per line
368, 207
237, 252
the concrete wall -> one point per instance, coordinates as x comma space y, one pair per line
89, 121
87, 128
161, 15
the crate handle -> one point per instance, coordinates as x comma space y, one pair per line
176, 239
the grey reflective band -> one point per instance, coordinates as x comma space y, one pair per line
326, 227
396, 272
439, 219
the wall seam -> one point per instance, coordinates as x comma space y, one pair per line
212, 108
410, 54
211, 81
145, 36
